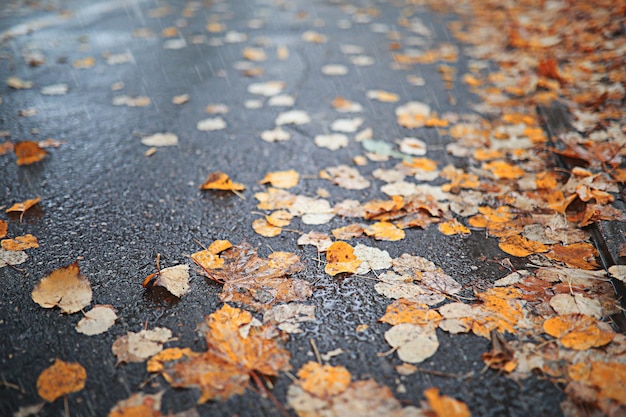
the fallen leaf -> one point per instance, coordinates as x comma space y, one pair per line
406, 311
221, 181
216, 109
19, 84
175, 279
289, 316
320, 240
346, 177
344, 105
60, 379
65, 288
334, 69
281, 179
138, 405
20, 243
444, 406
384, 231
349, 232
160, 139
372, 259
565, 304
264, 228
413, 146
55, 90
347, 125
323, 380
12, 257
254, 54
137, 347
413, 343
97, 320
267, 89
124, 100
4, 227
579, 332
381, 95
211, 124
293, 117
259, 282
84, 63
312, 210
577, 255
501, 357
209, 258
282, 100
236, 348
275, 135
314, 37
28, 152
340, 258
520, 246
332, 141
453, 227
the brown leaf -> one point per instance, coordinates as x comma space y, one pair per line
258, 282
236, 348
23, 206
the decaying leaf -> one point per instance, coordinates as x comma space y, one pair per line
453, 227
324, 390
237, 347
372, 259
137, 347
97, 320
413, 343
65, 288
289, 316
501, 357
12, 257
265, 228
175, 279
384, 231
332, 141
221, 181
320, 240
340, 258
259, 282
346, 177
209, 258
28, 152
23, 206
60, 379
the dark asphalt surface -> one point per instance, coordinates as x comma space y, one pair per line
107, 205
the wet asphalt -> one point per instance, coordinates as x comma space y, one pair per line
107, 205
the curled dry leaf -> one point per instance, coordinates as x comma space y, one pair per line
65, 288
137, 347
175, 279
221, 181
97, 320
60, 379
28, 152
340, 258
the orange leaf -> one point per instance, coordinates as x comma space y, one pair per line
520, 246
609, 378
279, 218
60, 379
6, 147
324, 380
579, 332
20, 243
281, 179
220, 181
340, 258
453, 227
28, 152
503, 170
264, 228
385, 231
138, 405
501, 310
23, 206
577, 255
4, 227
405, 311
444, 406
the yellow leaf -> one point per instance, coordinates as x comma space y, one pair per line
28, 152
279, 218
453, 227
20, 243
340, 258
520, 246
65, 288
264, 228
281, 179
444, 406
503, 170
60, 379
221, 181
385, 231
324, 380
404, 311
579, 332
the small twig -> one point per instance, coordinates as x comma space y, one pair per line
238, 194
444, 374
12, 386
66, 406
317, 352
389, 352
